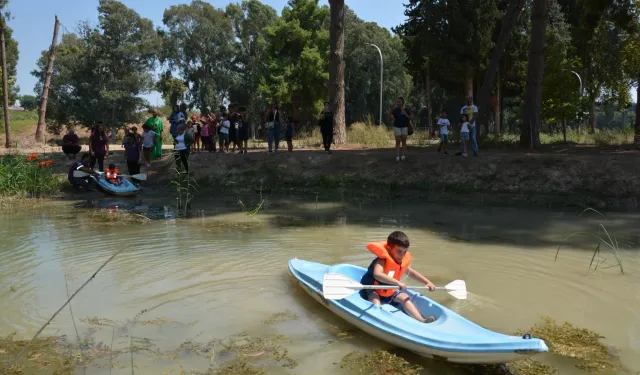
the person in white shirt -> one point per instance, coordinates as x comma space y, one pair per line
148, 136
444, 125
472, 113
181, 152
224, 133
464, 134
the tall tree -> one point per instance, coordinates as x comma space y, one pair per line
5, 84
530, 135
296, 69
199, 43
336, 70
59, 104
250, 20
631, 64
172, 88
47, 82
104, 70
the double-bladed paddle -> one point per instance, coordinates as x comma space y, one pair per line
139, 176
338, 286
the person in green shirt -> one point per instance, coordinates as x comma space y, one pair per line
155, 124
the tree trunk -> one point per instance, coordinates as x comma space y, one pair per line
468, 87
592, 116
5, 85
336, 71
497, 109
501, 100
636, 139
429, 107
47, 82
530, 135
484, 94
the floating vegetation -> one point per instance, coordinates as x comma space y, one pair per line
281, 317
55, 355
531, 367
220, 226
257, 347
342, 333
579, 343
108, 216
237, 367
379, 362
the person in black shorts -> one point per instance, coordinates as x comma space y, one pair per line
243, 134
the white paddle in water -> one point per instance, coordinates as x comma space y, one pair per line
338, 286
140, 176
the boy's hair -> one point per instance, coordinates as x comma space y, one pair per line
112, 166
134, 129
443, 112
398, 238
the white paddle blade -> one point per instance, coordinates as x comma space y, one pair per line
140, 176
337, 286
78, 173
457, 289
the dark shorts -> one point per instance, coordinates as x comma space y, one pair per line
364, 293
233, 135
243, 134
147, 148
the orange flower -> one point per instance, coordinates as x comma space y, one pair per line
47, 163
32, 157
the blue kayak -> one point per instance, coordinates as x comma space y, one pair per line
451, 337
127, 188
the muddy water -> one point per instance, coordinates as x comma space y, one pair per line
223, 272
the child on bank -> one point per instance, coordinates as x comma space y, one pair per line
392, 262
464, 134
224, 133
289, 134
444, 125
148, 136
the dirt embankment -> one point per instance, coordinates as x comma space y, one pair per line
555, 177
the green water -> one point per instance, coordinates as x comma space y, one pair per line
221, 273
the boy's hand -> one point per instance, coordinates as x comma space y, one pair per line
430, 285
402, 285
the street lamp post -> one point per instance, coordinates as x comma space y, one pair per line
581, 93
381, 76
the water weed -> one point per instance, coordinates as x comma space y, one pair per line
379, 362
611, 243
579, 343
27, 176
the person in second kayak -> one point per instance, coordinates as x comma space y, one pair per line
392, 262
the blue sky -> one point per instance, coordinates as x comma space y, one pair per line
33, 23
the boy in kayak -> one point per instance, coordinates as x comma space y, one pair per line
112, 175
392, 262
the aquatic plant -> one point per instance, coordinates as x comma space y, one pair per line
24, 176
610, 242
185, 187
579, 343
379, 362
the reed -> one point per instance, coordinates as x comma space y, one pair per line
603, 238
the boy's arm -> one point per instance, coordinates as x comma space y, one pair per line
378, 274
417, 276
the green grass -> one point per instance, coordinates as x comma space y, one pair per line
21, 121
601, 137
19, 177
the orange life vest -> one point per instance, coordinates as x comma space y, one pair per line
111, 174
391, 268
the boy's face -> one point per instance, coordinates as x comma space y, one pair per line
443, 115
397, 252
